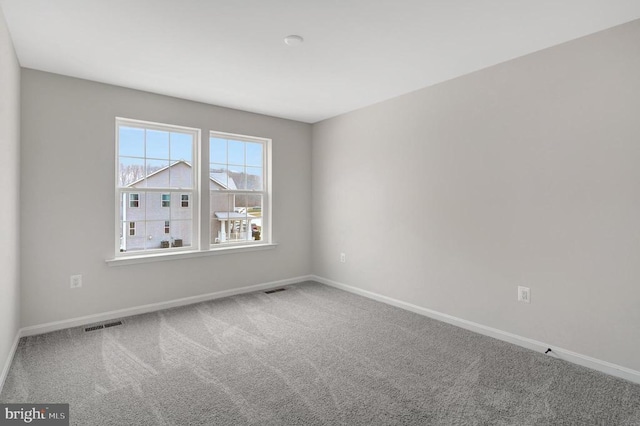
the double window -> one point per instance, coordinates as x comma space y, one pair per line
162, 202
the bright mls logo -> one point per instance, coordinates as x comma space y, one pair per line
35, 414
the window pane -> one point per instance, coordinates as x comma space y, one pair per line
158, 174
152, 232
132, 221
235, 217
154, 209
254, 213
181, 175
128, 209
131, 142
131, 171
155, 235
219, 179
221, 206
237, 177
221, 202
178, 209
129, 242
241, 205
254, 154
181, 231
157, 144
218, 150
236, 152
181, 145
254, 178
239, 223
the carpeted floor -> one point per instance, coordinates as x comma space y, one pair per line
309, 355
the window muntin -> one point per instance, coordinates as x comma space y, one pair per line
159, 162
238, 184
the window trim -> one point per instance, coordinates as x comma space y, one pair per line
183, 200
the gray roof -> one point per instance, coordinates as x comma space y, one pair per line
220, 177
217, 177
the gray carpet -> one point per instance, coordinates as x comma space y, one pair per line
309, 355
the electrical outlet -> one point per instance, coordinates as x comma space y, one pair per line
524, 294
76, 281
343, 258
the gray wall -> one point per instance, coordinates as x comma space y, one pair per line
9, 188
68, 200
525, 173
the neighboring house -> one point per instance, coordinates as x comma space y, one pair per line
156, 220
230, 216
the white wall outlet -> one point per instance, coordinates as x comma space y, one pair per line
524, 294
343, 258
76, 281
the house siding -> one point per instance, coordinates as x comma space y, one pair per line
150, 215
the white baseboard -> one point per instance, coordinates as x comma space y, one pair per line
7, 364
152, 307
567, 355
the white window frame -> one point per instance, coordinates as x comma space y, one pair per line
182, 200
167, 227
193, 191
132, 228
266, 232
198, 200
163, 201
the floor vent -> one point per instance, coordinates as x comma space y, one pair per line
275, 291
101, 326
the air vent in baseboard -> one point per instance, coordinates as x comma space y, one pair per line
101, 326
275, 291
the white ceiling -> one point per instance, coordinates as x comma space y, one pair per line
231, 53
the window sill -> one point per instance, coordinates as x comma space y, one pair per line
161, 257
